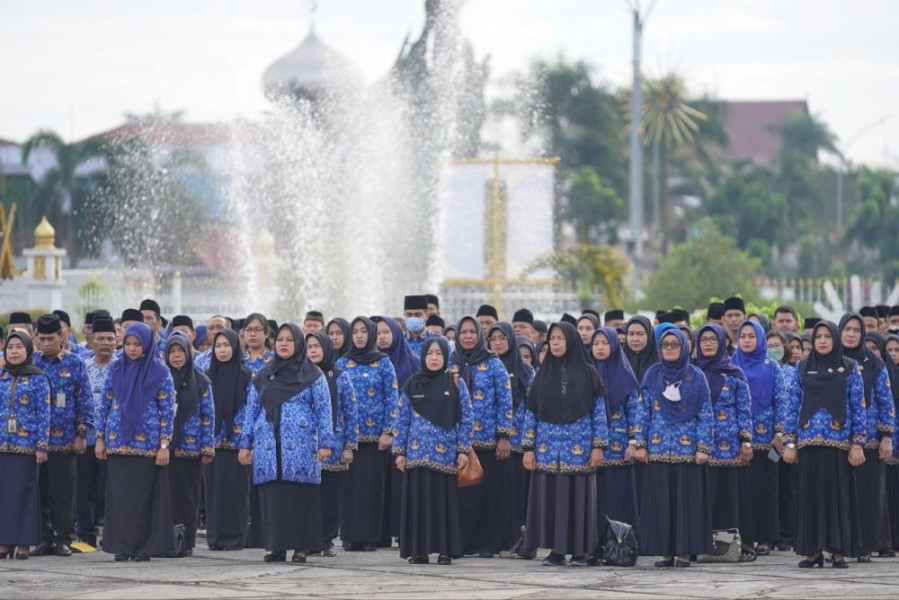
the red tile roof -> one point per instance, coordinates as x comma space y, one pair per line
748, 124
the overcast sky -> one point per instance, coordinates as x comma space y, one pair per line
77, 66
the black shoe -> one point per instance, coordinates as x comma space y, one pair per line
44, 549
444, 559
187, 552
298, 558
662, 564
840, 564
526, 553
864, 558
63, 550
762, 550
784, 547
418, 560
354, 547
140, 558
485, 554
815, 562
680, 563
21, 556
121, 558
216, 548
275, 557
371, 547
554, 560
889, 553
10, 553
578, 561
330, 552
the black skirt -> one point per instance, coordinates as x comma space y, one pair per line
331, 494
674, 510
616, 495
393, 504
484, 509
518, 480
430, 514
138, 507
730, 500
892, 475
787, 484
186, 480
20, 501
826, 508
362, 507
256, 528
873, 507
227, 485
763, 475
562, 513
291, 515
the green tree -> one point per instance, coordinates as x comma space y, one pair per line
593, 271
61, 195
709, 266
593, 207
874, 222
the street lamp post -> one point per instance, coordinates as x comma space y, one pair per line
844, 163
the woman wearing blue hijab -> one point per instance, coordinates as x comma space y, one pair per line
768, 400
615, 479
675, 437
135, 421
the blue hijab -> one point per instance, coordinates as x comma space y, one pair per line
678, 375
405, 361
662, 328
615, 371
136, 383
758, 368
716, 367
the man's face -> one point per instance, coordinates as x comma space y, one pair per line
191, 335
433, 309
486, 322
871, 324
411, 313
732, 320
784, 321
311, 326
151, 319
50, 344
103, 344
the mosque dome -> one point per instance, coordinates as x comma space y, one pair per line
44, 235
310, 70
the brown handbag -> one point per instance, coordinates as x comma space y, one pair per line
473, 473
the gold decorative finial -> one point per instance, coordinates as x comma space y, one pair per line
44, 235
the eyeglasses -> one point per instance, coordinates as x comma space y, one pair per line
496, 338
708, 340
671, 345
254, 330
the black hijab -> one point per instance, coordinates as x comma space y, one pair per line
282, 379
433, 394
648, 356
27, 367
229, 382
347, 335
824, 378
187, 382
327, 365
869, 363
466, 358
518, 370
716, 367
891, 367
369, 353
537, 348
565, 387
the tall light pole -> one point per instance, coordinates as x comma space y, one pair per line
636, 142
843, 163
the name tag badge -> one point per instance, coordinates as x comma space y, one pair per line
61, 400
11, 425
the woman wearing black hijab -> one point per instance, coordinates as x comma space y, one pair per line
640, 346
375, 386
890, 353
226, 481
344, 420
870, 477
433, 439
24, 445
825, 434
675, 438
338, 331
287, 432
192, 438
565, 433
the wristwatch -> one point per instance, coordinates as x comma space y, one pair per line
791, 446
164, 445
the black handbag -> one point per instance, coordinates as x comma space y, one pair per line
617, 543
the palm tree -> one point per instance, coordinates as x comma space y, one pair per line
60, 195
594, 271
669, 121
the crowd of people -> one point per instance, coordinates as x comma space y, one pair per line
287, 437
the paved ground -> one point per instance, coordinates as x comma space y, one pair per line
382, 574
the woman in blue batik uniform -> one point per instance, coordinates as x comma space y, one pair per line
135, 421
565, 433
675, 437
615, 480
768, 401
286, 432
433, 437
192, 436
25, 396
730, 493
485, 529
344, 421
502, 341
825, 433
375, 387
227, 482
870, 477
889, 350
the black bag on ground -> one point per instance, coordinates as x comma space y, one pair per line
617, 543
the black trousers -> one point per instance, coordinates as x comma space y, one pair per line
90, 487
57, 483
